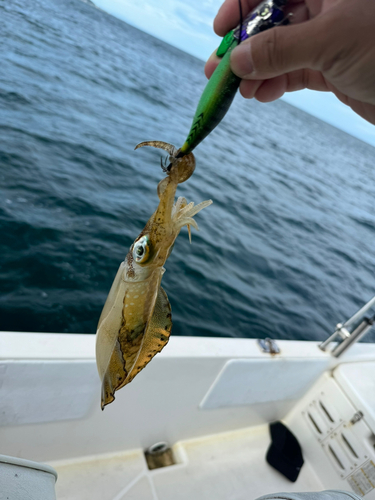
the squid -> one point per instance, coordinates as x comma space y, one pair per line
136, 320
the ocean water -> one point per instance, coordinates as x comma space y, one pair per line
287, 248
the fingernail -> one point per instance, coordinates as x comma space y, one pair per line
240, 60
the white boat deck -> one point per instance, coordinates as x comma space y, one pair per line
224, 466
211, 399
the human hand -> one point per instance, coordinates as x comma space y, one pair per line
328, 47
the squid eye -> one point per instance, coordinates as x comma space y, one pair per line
141, 250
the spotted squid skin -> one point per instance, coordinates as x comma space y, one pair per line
136, 320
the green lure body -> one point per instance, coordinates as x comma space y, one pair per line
216, 98
223, 84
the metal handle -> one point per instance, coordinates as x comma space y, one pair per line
344, 336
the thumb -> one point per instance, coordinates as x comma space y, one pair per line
281, 50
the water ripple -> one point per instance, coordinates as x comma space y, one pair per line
286, 250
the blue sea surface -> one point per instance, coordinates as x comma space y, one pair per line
287, 248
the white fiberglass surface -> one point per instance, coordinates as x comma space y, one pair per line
33, 392
341, 447
256, 381
51, 394
224, 466
55, 413
357, 380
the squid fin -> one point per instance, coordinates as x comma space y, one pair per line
114, 376
134, 350
157, 333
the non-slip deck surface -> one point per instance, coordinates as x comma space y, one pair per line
221, 467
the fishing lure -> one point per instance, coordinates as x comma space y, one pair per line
136, 323
223, 84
